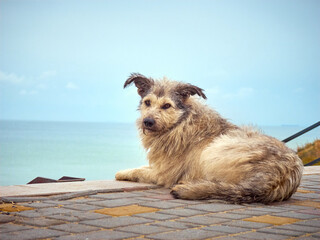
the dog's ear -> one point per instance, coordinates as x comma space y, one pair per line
142, 83
185, 90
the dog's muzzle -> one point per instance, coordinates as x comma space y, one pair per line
149, 123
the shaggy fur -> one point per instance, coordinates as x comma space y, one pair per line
201, 155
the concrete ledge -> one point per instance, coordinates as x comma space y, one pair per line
47, 189
76, 189
311, 170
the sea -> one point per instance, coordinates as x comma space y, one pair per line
94, 151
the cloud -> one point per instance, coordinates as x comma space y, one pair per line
72, 86
11, 78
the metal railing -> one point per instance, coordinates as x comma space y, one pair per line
317, 124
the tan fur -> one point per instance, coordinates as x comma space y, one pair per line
201, 155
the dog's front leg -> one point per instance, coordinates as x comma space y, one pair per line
143, 174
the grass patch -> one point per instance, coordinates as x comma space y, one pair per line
309, 152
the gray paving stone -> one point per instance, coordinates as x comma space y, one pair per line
246, 224
6, 218
215, 207
29, 214
203, 220
162, 204
314, 211
311, 223
57, 202
307, 238
147, 199
44, 212
183, 212
82, 207
260, 235
281, 232
186, 234
292, 207
226, 229
230, 215
271, 209
103, 234
74, 228
32, 234
251, 212
40, 204
316, 235
300, 228
156, 216
10, 227
144, 229
119, 195
39, 222
231, 238
78, 216
116, 202
295, 215
114, 222
83, 200
308, 195
176, 225
159, 191
187, 202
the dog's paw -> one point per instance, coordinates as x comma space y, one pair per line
123, 175
127, 175
177, 191
175, 194
184, 191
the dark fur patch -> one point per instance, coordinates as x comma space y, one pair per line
159, 92
143, 83
186, 90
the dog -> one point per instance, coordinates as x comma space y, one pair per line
200, 155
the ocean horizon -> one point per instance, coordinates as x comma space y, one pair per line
91, 150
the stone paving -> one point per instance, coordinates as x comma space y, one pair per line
144, 213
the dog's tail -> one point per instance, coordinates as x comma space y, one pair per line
248, 192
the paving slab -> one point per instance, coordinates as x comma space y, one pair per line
98, 235
203, 220
39, 222
32, 234
144, 229
226, 229
68, 187
176, 225
186, 234
113, 222
261, 235
74, 228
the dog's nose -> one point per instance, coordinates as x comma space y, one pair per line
148, 122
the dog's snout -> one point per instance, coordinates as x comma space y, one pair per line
148, 122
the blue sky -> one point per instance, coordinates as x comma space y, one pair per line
259, 61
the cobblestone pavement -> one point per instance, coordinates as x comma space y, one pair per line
143, 213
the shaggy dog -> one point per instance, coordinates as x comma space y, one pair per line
201, 155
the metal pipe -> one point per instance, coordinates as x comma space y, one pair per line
301, 132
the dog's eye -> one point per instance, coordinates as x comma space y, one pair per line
147, 103
166, 106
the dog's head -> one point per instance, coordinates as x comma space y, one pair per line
164, 104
